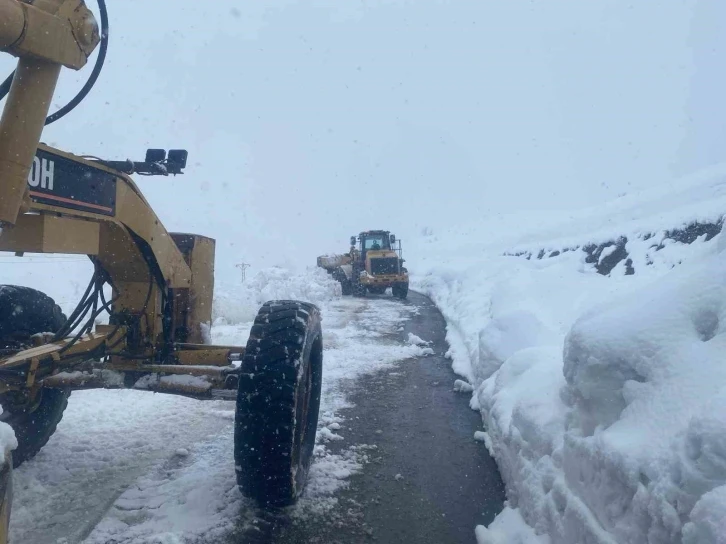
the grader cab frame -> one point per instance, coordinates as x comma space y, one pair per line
161, 283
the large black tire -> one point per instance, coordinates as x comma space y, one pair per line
359, 290
400, 290
34, 425
346, 287
23, 313
278, 402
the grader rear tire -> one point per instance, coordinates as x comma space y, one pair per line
23, 313
277, 403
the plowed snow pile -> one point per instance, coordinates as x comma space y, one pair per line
238, 303
602, 397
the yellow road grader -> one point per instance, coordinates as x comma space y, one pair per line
160, 283
372, 266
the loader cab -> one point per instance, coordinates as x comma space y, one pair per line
376, 242
373, 241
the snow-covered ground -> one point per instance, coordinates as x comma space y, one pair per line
136, 467
602, 397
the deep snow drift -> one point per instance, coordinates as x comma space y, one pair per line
602, 397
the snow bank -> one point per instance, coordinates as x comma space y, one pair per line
239, 303
509, 528
602, 388
647, 387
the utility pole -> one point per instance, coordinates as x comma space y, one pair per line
243, 267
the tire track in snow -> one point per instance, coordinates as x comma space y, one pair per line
105, 441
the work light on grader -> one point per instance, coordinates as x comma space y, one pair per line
161, 283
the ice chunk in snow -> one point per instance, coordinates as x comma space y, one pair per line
509, 528
460, 386
417, 341
326, 435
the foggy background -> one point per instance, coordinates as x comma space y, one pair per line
307, 122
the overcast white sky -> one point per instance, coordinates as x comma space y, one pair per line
307, 122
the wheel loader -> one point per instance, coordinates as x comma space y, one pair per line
371, 266
156, 286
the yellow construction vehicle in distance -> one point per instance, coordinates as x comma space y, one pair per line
372, 265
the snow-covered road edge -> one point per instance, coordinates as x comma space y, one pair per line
525, 334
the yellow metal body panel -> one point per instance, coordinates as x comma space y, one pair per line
387, 280
381, 280
41, 233
212, 356
193, 306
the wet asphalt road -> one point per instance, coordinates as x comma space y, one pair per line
427, 481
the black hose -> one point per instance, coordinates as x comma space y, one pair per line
100, 59
5, 86
77, 315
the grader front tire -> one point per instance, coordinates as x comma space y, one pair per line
277, 403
